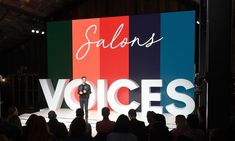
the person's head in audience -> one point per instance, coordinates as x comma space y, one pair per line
29, 122
150, 115
193, 121
15, 121
80, 113
40, 130
39, 123
16, 125
132, 114
52, 115
12, 111
180, 121
77, 127
122, 124
105, 112
159, 119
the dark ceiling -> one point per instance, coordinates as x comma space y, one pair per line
17, 18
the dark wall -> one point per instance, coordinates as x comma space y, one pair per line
22, 65
28, 57
106, 8
219, 75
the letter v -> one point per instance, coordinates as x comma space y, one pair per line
54, 99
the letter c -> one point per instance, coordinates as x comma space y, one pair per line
112, 96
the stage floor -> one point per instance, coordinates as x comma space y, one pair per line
67, 115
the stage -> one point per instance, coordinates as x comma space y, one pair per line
67, 115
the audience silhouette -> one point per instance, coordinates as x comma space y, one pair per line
105, 126
137, 127
121, 130
125, 128
181, 127
57, 128
40, 130
80, 114
77, 131
194, 132
27, 129
159, 130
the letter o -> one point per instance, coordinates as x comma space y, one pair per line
69, 94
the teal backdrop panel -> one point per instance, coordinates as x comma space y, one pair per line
177, 52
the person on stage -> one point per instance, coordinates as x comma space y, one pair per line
84, 90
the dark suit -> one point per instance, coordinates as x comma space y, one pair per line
84, 90
58, 129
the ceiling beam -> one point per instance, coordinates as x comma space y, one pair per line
11, 5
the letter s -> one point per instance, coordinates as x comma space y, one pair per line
172, 93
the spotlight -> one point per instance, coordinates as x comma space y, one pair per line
4, 80
33, 31
198, 22
37, 31
42, 32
